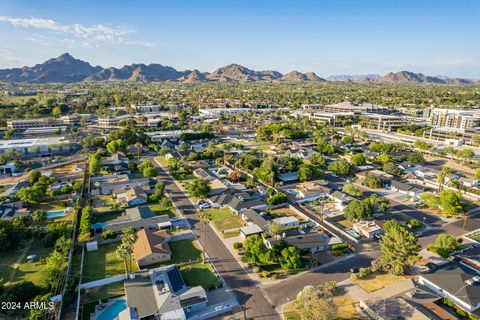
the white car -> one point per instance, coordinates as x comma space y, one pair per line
204, 206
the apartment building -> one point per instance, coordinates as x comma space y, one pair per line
112, 121
452, 118
454, 136
34, 123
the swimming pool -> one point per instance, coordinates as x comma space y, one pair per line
353, 233
293, 192
55, 214
113, 310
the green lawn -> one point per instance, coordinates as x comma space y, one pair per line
224, 219
103, 263
105, 216
162, 160
30, 271
103, 203
231, 234
199, 274
161, 210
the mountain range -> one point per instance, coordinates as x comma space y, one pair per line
66, 69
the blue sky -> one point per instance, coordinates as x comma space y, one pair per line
327, 37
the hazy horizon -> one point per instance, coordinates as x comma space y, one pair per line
337, 38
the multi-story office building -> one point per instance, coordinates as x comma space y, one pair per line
452, 118
348, 107
381, 122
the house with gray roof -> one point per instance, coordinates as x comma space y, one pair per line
457, 282
139, 218
161, 293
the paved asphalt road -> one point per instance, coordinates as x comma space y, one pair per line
231, 271
281, 293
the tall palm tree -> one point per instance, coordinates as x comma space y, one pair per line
441, 178
122, 252
204, 219
129, 237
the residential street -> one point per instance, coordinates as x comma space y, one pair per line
231, 271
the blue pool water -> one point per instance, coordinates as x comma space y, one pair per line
293, 192
353, 233
112, 311
54, 214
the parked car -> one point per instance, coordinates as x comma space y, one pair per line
204, 206
354, 270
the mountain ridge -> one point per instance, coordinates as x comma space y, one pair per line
65, 69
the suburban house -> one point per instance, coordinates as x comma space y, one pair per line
139, 218
250, 230
286, 221
379, 174
368, 229
132, 197
406, 189
151, 247
305, 242
236, 202
252, 217
457, 282
341, 199
121, 182
309, 191
304, 154
217, 187
161, 291
288, 176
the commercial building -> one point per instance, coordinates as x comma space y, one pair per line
36, 146
170, 134
335, 119
34, 123
452, 118
112, 121
381, 122
348, 107
454, 136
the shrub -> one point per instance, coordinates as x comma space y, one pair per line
109, 234
237, 245
354, 276
340, 246
265, 274
363, 272
256, 269
337, 253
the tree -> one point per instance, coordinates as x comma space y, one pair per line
276, 198
324, 147
54, 269
317, 303
159, 188
56, 112
34, 175
384, 158
290, 259
450, 201
264, 133
274, 229
40, 313
33, 194
358, 210
123, 252
199, 188
441, 178
86, 220
373, 182
39, 215
358, 159
416, 158
307, 172
116, 146
256, 251
266, 172
422, 145
94, 163
399, 249
351, 190
429, 199
129, 237
392, 169
150, 172
318, 159
477, 173
341, 168
445, 244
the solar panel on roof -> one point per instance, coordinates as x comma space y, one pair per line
175, 279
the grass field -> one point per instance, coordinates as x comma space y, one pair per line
199, 274
161, 210
105, 216
162, 160
224, 219
376, 282
231, 234
24, 270
104, 263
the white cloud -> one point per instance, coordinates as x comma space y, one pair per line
92, 34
